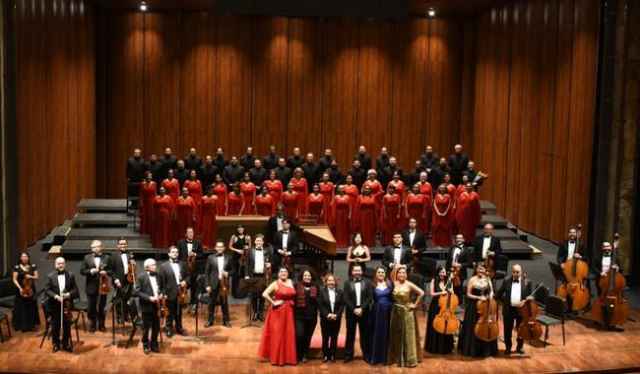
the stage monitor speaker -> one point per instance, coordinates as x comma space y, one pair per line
317, 8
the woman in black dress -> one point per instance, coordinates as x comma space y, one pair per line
434, 341
306, 313
239, 242
25, 309
358, 253
478, 288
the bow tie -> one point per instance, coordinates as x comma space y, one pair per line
189, 241
516, 281
174, 261
97, 256
152, 273
357, 281
60, 272
606, 255
219, 255
258, 249
396, 247
572, 242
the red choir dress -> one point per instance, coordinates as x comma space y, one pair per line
278, 342
341, 222
451, 190
468, 214
220, 190
400, 188
300, 186
172, 188
248, 190
265, 205
376, 191
366, 219
316, 206
291, 204
459, 190
275, 189
417, 208
186, 216
442, 225
147, 195
352, 191
328, 191
209, 225
162, 235
234, 203
391, 217
195, 191
426, 190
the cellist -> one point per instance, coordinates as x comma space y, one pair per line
603, 265
513, 293
575, 270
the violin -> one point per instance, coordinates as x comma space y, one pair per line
105, 286
575, 272
490, 265
530, 328
27, 287
446, 322
611, 307
67, 307
131, 271
182, 294
163, 310
487, 328
224, 289
191, 263
455, 275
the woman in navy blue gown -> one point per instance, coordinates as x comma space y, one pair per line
379, 317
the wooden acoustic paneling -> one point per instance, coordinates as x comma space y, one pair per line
535, 83
183, 79
55, 97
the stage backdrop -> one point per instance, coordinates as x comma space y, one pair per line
195, 79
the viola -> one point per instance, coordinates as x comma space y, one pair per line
191, 263
446, 322
487, 328
575, 272
67, 308
224, 289
455, 275
182, 294
131, 271
530, 328
27, 288
105, 285
163, 310
611, 307
490, 265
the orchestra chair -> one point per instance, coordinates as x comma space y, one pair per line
554, 314
4, 317
203, 298
80, 308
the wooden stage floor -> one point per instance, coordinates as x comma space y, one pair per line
233, 350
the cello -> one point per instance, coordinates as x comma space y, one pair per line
575, 272
611, 308
487, 328
530, 328
446, 321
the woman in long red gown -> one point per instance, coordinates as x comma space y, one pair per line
416, 207
220, 190
209, 224
147, 194
248, 190
462, 186
443, 218
163, 208
327, 189
451, 188
274, 186
278, 342
351, 190
186, 214
195, 191
172, 186
427, 190
265, 205
235, 202
291, 203
316, 204
468, 213
398, 185
299, 184
342, 210
390, 218
366, 217
375, 187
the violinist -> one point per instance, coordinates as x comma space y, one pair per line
95, 266
173, 276
121, 279
217, 271
258, 270
25, 308
513, 293
148, 290
459, 257
479, 288
61, 286
191, 248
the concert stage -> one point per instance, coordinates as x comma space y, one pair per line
224, 350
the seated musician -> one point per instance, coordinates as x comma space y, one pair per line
61, 286
258, 271
515, 290
486, 244
173, 275
285, 244
461, 256
217, 271
147, 289
188, 247
122, 285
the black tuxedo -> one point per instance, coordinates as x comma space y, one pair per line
183, 253
458, 164
465, 258
493, 247
97, 302
256, 297
272, 228
213, 280
170, 288
405, 256
292, 246
362, 321
52, 289
563, 251
150, 319
122, 294
510, 313
419, 240
330, 328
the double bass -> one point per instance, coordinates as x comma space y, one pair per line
575, 272
611, 307
487, 328
530, 328
446, 321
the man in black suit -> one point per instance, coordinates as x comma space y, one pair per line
234, 172
392, 168
181, 173
382, 161
61, 285
358, 173
208, 172
155, 167
283, 172
275, 224
570, 248
414, 238
169, 162
257, 271
311, 170
258, 173
325, 161
429, 159
296, 160
363, 157
173, 275
192, 161
486, 244
119, 265
513, 293
94, 266
136, 169
191, 247
148, 290
247, 160
270, 160
458, 163
331, 306
217, 272
285, 243
461, 256
358, 299
397, 254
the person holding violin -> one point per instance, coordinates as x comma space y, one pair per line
61, 289
174, 280
513, 293
148, 290
190, 252
440, 287
95, 267
217, 271
25, 308
258, 272
239, 244
120, 265
459, 259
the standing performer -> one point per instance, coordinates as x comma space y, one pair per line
570, 248
291, 203
315, 204
404, 340
459, 258
285, 243
375, 187
147, 289
331, 305
358, 253
436, 342
479, 288
163, 211
327, 189
173, 278
25, 308
350, 189
282, 172
209, 223
220, 190
95, 267
248, 190
217, 271
390, 219
416, 207
366, 216
239, 244
414, 238
397, 254
233, 172
486, 244
190, 251
427, 191
171, 186
306, 313
194, 187
265, 204
515, 290
300, 186
148, 190
135, 172
258, 270
398, 185
61, 289
235, 202
123, 277
296, 160
458, 163
468, 212
443, 218
379, 318
358, 298
208, 173
274, 186
186, 214
340, 217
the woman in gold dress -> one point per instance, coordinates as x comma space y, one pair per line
404, 342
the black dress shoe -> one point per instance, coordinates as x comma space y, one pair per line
68, 348
348, 359
507, 351
325, 359
304, 359
168, 332
56, 348
520, 350
146, 350
226, 324
208, 324
333, 358
102, 328
181, 332
155, 348
92, 328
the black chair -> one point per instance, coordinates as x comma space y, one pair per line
4, 318
541, 296
7, 292
47, 327
554, 314
81, 309
557, 273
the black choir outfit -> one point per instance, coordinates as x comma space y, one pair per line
25, 309
232, 174
171, 274
148, 285
185, 247
330, 301
458, 163
216, 264
306, 317
97, 302
58, 283
358, 293
136, 168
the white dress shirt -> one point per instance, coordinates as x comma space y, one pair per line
397, 252
62, 282
176, 271
285, 239
154, 284
486, 244
189, 248
96, 261
571, 249
220, 260
125, 263
606, 263
516, 293
358, 288
258, 263
332, 298
412, 236
456, 254
279, 223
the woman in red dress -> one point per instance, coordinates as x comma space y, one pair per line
195, 191
209, 225
342, 210
163, 210
427, 191
351, 190
299, 184
416, 207
291, 203
248, 190
327, 189
220, 190
235, 202
147, 195
468, 212
265, 205
316, 204
274, 186
186, 214
172, 186
366, 217
451, 189
375, 187
398, 185
278, 342
390, 218
443, 218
